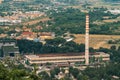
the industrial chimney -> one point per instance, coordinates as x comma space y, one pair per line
87, 41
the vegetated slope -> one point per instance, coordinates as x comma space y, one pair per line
97, 41
73, 21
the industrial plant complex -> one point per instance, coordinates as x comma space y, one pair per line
64, 59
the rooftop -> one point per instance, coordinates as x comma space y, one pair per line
27, 33
62, 54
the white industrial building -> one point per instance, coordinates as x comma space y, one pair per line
61, 58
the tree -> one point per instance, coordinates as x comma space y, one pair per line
44, 75
75, 72
113, 48
1, 31
81, 47
54, 72
4, 73
101, 49
57, 70
55, 42
91, 50
34, 77
26, 46
16, 74
118, 49
82, 77
66, 78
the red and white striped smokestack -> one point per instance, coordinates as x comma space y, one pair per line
87, 41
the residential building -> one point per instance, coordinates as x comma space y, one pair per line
46, 35
28, 35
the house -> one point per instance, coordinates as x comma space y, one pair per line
27, 29
28, 35
46, 35
17, 29
3, 35
38, 27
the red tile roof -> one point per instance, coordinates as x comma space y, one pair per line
27, 33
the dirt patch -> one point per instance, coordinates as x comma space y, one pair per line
96, 41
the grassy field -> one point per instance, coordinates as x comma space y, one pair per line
97, 41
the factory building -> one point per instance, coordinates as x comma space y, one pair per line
8, 48
67, 57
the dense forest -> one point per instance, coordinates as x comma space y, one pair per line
57, 45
